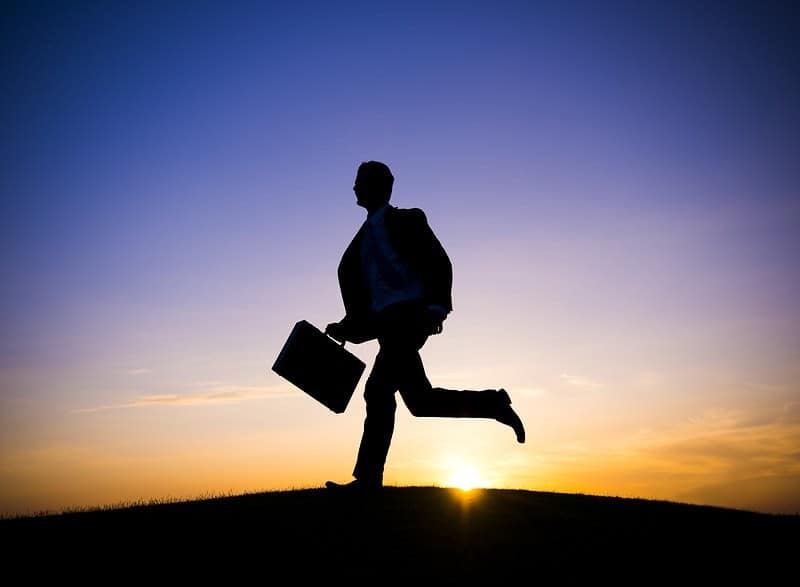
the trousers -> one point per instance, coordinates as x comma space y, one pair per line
403, 330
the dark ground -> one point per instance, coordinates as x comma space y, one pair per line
420, 534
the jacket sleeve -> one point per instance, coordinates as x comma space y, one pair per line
432, 261
358, 327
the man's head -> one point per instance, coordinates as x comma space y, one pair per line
373, 186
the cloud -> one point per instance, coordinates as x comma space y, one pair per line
528, 391
790, 413
719, 419
580, 381
741, 439
217, 394
721, 456
138, 371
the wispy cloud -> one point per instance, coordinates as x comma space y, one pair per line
580, 381
722, 456
527, 391
138, 371
791, 413
729, 440
216, 394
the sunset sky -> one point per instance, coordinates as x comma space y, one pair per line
618, 190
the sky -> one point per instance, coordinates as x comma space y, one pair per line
616, 185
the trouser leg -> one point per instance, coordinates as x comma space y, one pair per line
400, 367
423, 400
379, 423
438, 402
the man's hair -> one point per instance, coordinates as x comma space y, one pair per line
376, 176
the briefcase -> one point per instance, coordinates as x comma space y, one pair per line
319, 366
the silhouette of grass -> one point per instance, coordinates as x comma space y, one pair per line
418, 533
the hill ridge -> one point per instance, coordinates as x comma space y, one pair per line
185, 501
484, 534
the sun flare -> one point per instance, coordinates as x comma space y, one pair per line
465, 478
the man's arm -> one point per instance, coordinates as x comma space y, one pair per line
425, 252
336, 330
432, 261
348, 330
353, 327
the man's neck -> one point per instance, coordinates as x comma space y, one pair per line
375, 210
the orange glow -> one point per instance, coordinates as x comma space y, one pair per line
465, 478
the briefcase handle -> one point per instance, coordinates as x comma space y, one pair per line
341, 344
325, 332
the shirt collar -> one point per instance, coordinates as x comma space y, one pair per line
377, 215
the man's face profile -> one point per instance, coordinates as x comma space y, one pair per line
368, 191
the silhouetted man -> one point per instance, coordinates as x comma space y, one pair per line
396, 281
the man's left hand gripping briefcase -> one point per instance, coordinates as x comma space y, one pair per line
319, 366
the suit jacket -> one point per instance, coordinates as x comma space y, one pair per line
414, 241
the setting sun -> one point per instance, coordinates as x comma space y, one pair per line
465, 478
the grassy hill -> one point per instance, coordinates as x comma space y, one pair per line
422, 534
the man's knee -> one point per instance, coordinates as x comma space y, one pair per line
379, 397
414, 407
416, 403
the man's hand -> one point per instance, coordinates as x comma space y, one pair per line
336, 330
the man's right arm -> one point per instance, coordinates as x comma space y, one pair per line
336, 330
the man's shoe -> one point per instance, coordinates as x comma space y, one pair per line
506, 415
355, 486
